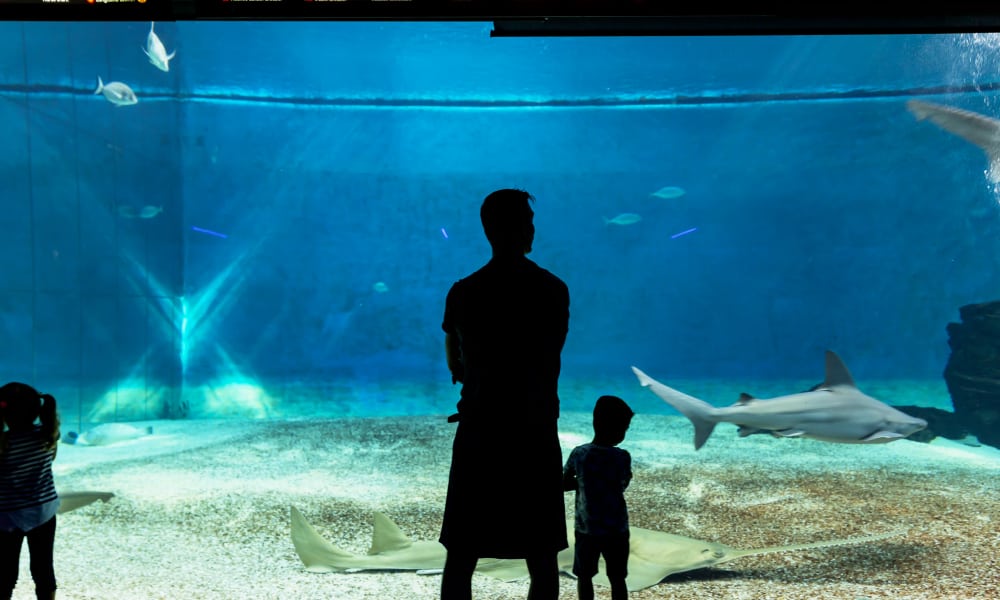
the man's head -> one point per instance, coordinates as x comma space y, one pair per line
508, 221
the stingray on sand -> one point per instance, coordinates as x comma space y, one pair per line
653, 555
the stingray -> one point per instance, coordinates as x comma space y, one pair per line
653, 555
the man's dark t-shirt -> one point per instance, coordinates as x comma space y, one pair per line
505, 497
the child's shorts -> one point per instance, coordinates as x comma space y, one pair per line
589, 549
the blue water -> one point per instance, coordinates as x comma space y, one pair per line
320, 186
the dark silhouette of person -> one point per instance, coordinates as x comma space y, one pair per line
28, 498
505, 327
599, 472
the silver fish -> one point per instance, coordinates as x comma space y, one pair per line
669, 192
116, 92
148, 212
623, 219
157, 54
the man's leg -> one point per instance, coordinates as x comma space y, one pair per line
456, 580
544, 572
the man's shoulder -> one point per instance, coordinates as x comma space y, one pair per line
550, 279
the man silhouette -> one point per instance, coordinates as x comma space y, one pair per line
505, 326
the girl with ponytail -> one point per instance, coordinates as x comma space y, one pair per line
29, 434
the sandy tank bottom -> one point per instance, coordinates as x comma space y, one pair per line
201, 510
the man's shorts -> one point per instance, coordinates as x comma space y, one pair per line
589, 548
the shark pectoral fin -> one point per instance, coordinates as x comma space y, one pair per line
789, 433
171, 55
882, 436
643, 573
744, 431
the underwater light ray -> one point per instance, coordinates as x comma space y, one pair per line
234, 391
206, 306
159, 291
210, 304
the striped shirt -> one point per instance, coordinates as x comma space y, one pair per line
27, 492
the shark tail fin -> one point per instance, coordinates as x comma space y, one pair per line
317, 554
100, 85
699, 412
920, 110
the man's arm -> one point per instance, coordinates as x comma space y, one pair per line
453, 352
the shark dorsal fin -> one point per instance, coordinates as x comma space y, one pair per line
745, 398
387, 536
836, 372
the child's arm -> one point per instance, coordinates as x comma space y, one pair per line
569, 475
628, 470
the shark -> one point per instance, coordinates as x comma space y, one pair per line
653, 555
73, 500
833, 411
156, 52
973, 127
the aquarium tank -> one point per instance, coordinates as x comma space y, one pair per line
252, 227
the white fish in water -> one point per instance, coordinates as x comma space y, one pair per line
623, 219
380, 287
116, 92
157, 54
148, 212
668, 192
108, 433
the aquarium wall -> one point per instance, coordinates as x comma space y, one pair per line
272, 228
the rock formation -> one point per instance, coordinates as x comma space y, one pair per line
973, 370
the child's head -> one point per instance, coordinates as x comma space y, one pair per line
611, 419
21, 405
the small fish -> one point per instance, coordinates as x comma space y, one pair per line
623, 219
157, 54
116, 92
668, 192
148, 212
380, 287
